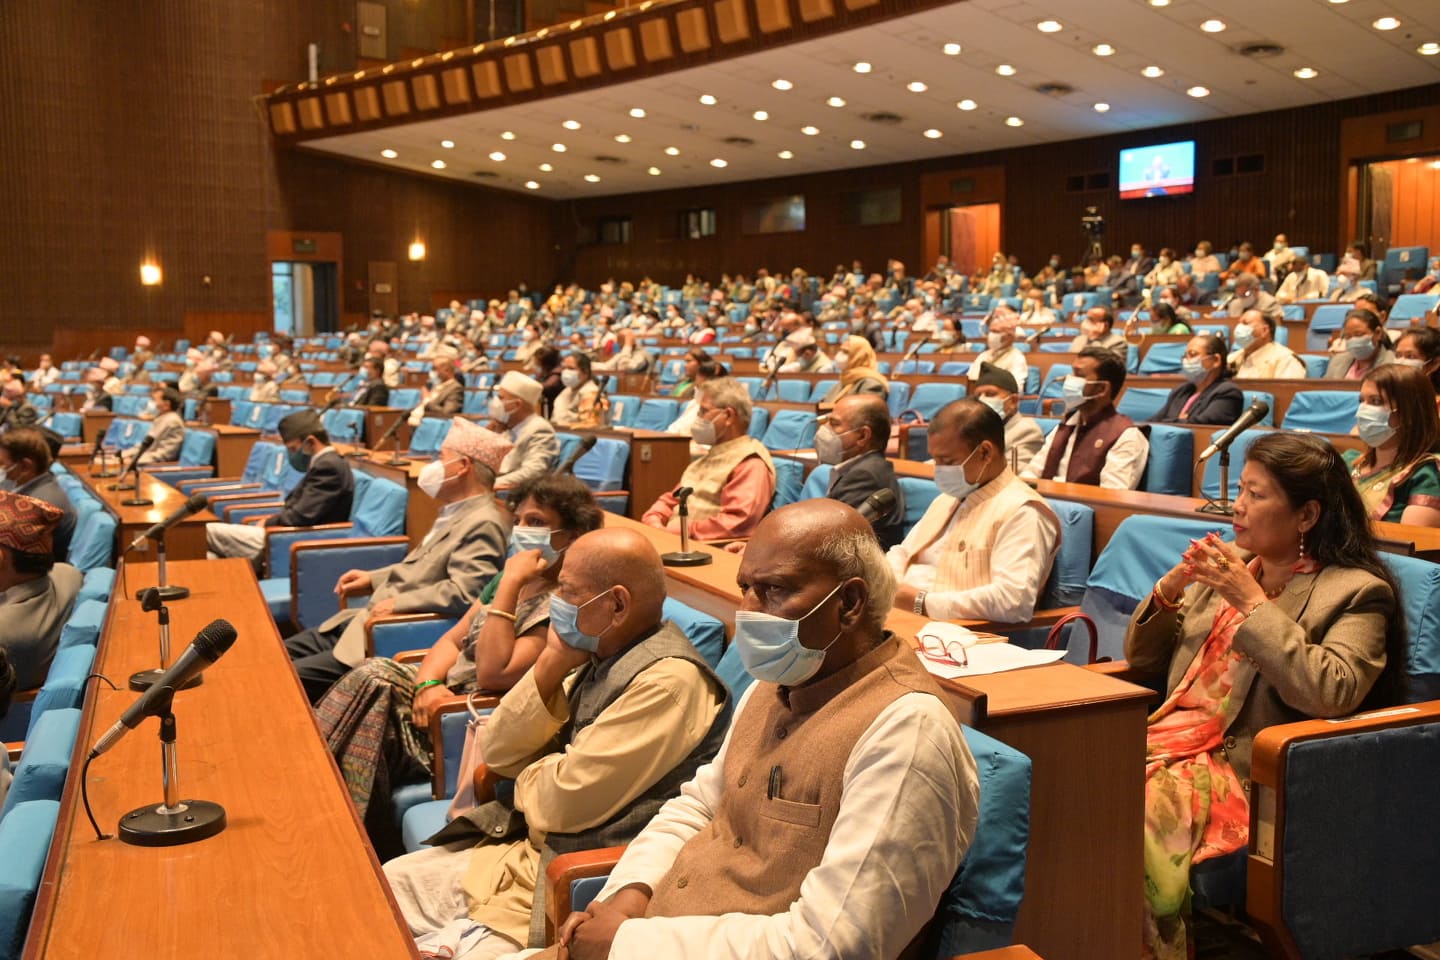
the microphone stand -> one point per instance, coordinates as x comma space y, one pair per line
360, 452
105, 471
143, 680
166, 591
175, 821
685, 557
1224, 506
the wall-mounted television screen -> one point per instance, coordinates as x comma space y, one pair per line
1164, 170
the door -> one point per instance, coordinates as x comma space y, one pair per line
970, 235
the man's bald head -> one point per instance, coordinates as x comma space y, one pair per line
614, 557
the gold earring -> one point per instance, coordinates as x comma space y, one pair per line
1302, 545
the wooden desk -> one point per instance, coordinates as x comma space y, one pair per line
232, 447
184, 541
379, 419
94, 423
292, 874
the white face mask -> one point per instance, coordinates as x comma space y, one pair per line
842, 360
498, 411
994, 341
951, 478
703, 431
432, 478
571, 378
994, 403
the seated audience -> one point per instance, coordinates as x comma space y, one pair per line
1035, 314
1000, 350
514, 410
1166, 272
1095, 443
685, 388
809, 358
16, 410
1397, 473
1248, 296
1297, 618
1279, 256
578, 404
168, 429
632, 357
1244, 264
618, 712
1366, 347
859, 374
324, 494
985, 546
870, 757
1168, 318
443, 575
490, 648
1257, 356
1204, 262
1356, 265
36, 593
684, 424
853, 440
1419, 347
733, 483
1303, 282
371, 390
997, 390
95, 396
444, 397
114, 380
1097, 329
1207, 395
547, 369
25, 459
44, 374
266, 388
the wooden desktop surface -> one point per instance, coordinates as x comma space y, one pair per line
292, 875
184, 541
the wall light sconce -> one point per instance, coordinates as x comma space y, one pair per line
150, 274
417, 250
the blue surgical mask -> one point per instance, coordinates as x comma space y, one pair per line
1372, 423
1073, 392
1193, 368
532, 538
1361, 348
770, 646
565, 617
951, 479
1244, 335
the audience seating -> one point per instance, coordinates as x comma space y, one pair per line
425, 441
1411, 308
1171, 462
316, 566
790, 430
1210, 482
656, 414
1142, 403
344, 424
1323, 324
25, 834
1323, 411
1162, 358
196, 462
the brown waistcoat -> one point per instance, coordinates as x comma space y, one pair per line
1093, 441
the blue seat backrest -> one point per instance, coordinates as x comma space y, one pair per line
1142, 403
817, 483
1419, 582
1171, 462
1210, 483
1162, 358
930, 398
624, 409
789, 476
1071, 570
67, 424
380, 510
1315, 365
405, 397
1323, 322
1411, 306
40, 775
912, 367
656, 414
821, 388
792, 391
1252, 395
754, 384
429, 435
732, 670
197, 449
93, 544
603, 467
790, 430
345, 425
899, 397
1400, 260
1326, 411
25, 835
703, 630
919, 494
759, 420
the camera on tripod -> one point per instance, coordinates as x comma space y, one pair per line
1093, 223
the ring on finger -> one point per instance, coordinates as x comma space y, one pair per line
1222, 562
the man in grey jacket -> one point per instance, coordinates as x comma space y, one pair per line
444, 574
513, 409
36, 593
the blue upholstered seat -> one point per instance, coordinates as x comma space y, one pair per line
1324, 411
25, 834
790, 430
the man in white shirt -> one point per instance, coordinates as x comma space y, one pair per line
799, 838
997, 389
44, 374
985, 545
1258, 356
1204, 262
1279, 255
1000, 350
1303, 282
514, 408
1095, 443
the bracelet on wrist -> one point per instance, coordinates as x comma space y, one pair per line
1164, 602
1253, 607
920, 603
423, 684
502, 613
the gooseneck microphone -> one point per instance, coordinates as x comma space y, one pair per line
587, 443
194, 505
1248, 419
878, 506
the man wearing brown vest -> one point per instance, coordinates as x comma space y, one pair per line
840, 805
1095, 443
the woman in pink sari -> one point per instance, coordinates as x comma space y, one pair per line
1297, 618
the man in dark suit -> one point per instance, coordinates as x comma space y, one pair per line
323, 495
372, 391
16, 410
854, 440
25, 458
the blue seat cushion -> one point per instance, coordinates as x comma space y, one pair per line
25, 834
422, 821
409, 795
40, 774
83, 627
276, 592
98, 584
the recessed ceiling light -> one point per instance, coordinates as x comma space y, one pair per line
718, 163
781, 84
1005, 70
1307, 73
862, 67
438, 164
389, 154
591, 178
1213, 26
761, 115
1014, 122
571, 124
1386, 23
857, 144
1049, 26
638, 113
966, 104
809, 131
546, 168
1197, 92
531, 185
1102, 107
708, 99
1152, 72
1428, 49
1103, 50
622, 138
1435, 164
915, 86
836, 101
934, 134
448, 144
497, 156
558, 147
653, 171
672, 151
507, 135
951, 49
1337, 2
1159, 3
785, 155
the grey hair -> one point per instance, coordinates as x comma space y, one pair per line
730, 394
856, 553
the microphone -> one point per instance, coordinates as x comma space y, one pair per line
682, 493
1248, 419
878, 506
587, 443
208, 646
914, 348
194, 505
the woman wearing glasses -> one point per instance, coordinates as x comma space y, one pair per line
1297, 618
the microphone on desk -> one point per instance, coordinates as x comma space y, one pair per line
133, 466
587, 443
1248, 419
878, 506
685, 557
194, 505
395, 460
912, 350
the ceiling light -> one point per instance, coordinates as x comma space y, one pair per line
1159, 3
810, 131
546, 168
708, 99
531, 185
1152, 72
497, 156
1213, 26
785, 155
862, 67
416, 250
438, 164
558, 147
507, 135
719, 164
1198, 92
448, 144
638, 113
966, 104
781, 84
1005, 70
653, 171
1307, 73
761, 115
571, 124
915, 86
1428, 49
1049, 26
1014, 122
1102, 50
1339, 1
951, 49
1102, 107
836, 101
1435, 164
672, 151
1386, 23
857, 144
591, 178
622, 138
389, 154
933, 134
150, 274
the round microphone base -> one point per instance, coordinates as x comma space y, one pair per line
145, 679
687, 558
191, 820
169, 593
121, 486
358, 454
397, 463
1222, 508
105, 474
137, 502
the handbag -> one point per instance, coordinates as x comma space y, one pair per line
470, 758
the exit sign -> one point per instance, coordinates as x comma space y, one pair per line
303, 245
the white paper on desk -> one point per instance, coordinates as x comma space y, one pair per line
991, 658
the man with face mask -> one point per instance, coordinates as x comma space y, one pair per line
997, 389
1279, 255
1257, 356
36, 593
265, 388
323, 495
733, 483
853, 440
1249, 296
1126, 285
513, 410
443, 575
166, 433
1000, 348
16, 410
986, 544
1095, 443
1303, 282
799, 839
1097, 329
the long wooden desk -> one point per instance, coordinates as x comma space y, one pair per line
1085, 735
292, 875
94, 423
184, 541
